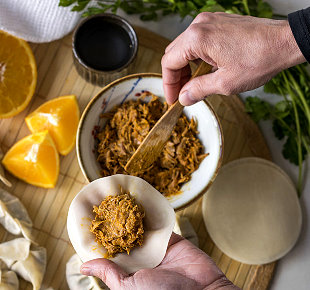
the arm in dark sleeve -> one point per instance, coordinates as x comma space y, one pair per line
300, 25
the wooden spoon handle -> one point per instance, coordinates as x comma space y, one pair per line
202, 69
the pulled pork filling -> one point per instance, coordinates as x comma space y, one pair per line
118, 224
127, 126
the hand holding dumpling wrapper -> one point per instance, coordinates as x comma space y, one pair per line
159, 221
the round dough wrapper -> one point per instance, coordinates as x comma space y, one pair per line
158, 223
252, 211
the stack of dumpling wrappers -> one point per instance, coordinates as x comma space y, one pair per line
20, 256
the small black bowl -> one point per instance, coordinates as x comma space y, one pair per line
104, 48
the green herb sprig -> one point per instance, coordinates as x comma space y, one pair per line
291, 116
152, 9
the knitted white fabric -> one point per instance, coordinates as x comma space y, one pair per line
36, 20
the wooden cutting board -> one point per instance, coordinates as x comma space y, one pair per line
48, 208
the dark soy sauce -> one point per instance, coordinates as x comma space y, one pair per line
103, 45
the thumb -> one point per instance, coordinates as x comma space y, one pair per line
200, 87
110, 273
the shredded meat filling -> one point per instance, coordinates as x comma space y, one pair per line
118, 224
127, 126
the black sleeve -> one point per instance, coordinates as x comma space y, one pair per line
300, 25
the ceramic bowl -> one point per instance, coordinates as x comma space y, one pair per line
110, 50
130, 87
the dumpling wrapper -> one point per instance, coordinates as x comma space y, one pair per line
26, 260
32, 269
252, 212
14, 250
8, 280
14, 216
158, 222
184, 228
77, 281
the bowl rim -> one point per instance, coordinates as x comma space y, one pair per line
151, 75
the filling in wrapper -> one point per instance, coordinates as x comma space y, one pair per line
118, 224
158, 222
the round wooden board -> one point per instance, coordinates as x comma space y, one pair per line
48, 208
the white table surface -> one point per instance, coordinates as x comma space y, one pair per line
293, 271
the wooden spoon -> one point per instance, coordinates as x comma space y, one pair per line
154, 142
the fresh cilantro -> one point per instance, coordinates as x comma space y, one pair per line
153, 9
291, 116
278, 129
257, 108
290, 151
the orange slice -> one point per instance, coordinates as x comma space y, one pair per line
60, 117
18, 75
34, 159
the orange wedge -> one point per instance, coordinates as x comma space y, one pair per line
34, 159
18, 75
60, 117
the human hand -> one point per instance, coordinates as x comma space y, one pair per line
244, 51
184, 267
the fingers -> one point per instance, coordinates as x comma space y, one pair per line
110, 273
189, 46
175, 68
200, 87
173, 81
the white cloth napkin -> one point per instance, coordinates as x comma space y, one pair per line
37, 20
